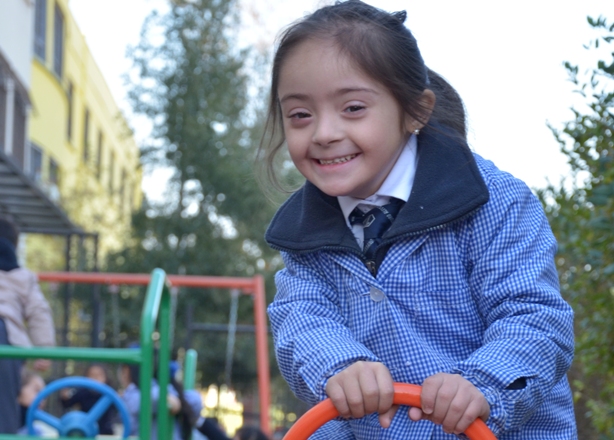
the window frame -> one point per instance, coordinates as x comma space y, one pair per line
40, 29
59, 23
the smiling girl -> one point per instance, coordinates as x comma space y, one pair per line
456, 291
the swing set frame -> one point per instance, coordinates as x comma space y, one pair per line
155, 325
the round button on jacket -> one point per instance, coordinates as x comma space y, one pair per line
376, 294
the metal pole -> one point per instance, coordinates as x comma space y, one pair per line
232, 330
262, 353
189, 319
96, 306
67, 288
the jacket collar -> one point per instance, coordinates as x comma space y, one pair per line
447, 187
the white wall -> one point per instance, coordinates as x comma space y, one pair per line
16, 36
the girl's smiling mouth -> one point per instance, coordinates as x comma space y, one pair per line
336, 160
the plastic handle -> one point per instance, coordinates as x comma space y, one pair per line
404, 394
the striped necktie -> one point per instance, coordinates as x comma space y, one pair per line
375, 222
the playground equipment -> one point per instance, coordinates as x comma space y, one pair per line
155, 329
404, 394
78, 423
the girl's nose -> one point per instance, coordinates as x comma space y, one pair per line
326, 131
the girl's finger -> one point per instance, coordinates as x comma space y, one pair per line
457, 409
470, 415
355, 398
385, 419
415, 414
385, 387
428, 395
446, 393
370, 390
337, 396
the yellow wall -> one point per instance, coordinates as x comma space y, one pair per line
89, 201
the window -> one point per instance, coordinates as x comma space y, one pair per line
58, 41
99, 156
86, 134
54, 172
54, 181
19, 131
122, 199
111, 173
36, 163
3, 95
69, 99
40, 28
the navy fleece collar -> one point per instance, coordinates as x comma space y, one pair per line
8, 258
447, 187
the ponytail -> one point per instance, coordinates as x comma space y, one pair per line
449, 108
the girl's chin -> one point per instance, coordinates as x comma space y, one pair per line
339, 191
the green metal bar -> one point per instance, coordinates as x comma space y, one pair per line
126, 355
164, 325
157, 303
189, 369
153, 298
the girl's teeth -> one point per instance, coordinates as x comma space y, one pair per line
338, 160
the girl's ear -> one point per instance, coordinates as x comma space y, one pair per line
426, 104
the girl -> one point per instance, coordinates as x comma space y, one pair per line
185, 405
31, 384
459, 294
86, 398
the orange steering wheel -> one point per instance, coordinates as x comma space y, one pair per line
404, 394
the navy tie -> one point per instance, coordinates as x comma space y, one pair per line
375, 222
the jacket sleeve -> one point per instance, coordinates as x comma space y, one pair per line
529, 339
37, 314
312, 340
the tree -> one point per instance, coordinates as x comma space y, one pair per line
582, 218
191, 80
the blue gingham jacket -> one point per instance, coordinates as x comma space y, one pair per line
466, 284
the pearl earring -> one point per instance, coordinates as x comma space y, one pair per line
417, 131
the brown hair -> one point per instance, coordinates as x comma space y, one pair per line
380, 46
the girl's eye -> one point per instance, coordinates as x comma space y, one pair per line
299, 115
354, 108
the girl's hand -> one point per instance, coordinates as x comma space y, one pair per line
41, 365
173, 403
363, 388
66, 393
452, 401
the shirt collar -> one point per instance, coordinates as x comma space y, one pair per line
397, 184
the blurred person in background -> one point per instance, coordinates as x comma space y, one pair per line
86, 398
25, 320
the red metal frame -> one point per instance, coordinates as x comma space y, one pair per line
250, 286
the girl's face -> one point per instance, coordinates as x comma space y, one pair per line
343, 129
30, 390
97, 373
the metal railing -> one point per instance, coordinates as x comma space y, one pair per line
156, 310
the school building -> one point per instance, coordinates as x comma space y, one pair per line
69, 165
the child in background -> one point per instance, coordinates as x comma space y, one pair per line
25, 320
457, 291
86, 398
31, 384
185, 405
250, 433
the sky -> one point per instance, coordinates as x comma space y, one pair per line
505, 59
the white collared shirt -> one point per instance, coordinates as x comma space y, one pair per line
397, 184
